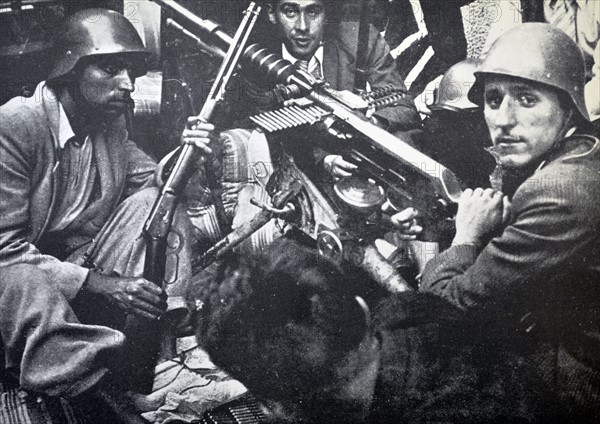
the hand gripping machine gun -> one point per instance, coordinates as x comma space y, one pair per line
389, 168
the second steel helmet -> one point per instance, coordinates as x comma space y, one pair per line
93, 32
536, 52
454, 86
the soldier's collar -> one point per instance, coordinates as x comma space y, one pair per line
65, 131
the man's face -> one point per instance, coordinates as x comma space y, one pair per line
525, 119
106, 85
301, 24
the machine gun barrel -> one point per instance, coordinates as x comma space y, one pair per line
444, 181
411, 177
209, 28
208, 48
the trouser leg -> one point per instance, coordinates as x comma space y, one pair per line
44, 341
120, 247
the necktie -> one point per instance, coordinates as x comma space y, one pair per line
561, 14
313, 67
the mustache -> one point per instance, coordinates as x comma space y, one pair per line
508, 138
124, 97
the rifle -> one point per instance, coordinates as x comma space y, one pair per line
143, 335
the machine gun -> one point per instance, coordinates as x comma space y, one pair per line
394, 170
388, 168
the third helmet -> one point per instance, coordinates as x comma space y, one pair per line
454, 86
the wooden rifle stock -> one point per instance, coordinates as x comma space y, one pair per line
143, 336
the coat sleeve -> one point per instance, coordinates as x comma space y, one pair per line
554, 229
16, 170
382, 72
141, 169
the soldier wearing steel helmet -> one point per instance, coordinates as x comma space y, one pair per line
75, 194
455, 134
527, 270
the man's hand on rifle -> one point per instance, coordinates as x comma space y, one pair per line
200, 134
131, 295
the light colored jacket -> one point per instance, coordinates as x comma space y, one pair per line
29, 163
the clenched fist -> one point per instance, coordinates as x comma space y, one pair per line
200, 134
481, 213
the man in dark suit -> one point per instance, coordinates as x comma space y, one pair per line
313, 34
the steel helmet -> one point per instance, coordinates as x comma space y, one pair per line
93, 32
536, 52
454, 86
